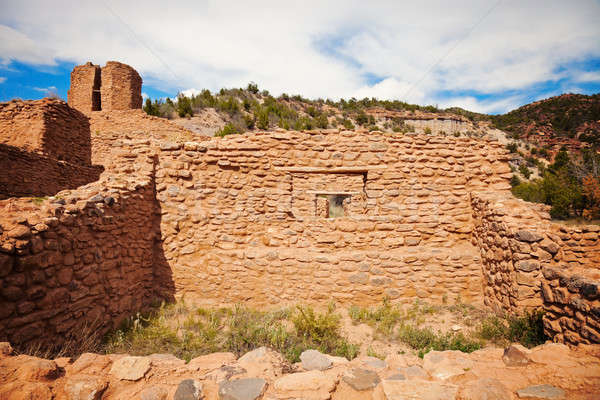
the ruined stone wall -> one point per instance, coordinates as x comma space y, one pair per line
529, 262
515, 243
238, 222
84, 94
121, 87
47, 126
88, 257
23, 173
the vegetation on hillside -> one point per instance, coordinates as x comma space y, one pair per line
249, 108
568, 115
570, 185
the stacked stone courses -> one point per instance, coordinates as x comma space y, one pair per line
242, 219
84, 94
116, 86
49, 127
121, 87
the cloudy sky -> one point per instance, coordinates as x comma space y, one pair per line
484, 55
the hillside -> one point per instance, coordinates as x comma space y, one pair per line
239, 110
568, 117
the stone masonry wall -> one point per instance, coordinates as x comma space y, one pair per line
47, 126
529, 262
121, 87
84, 94
238, 223
84, 258
29, 174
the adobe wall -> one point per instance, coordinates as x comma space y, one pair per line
85, 257
23, 173
47, 126
84, 94
238, 222
121, 87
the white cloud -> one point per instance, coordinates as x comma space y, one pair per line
144, 95
315, 48
190, 92
46, 90
2, 79
593, 76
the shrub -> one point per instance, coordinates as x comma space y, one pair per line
515, 181
427, 131
252, 88
184, 106
512, 147
526, 172
228, 129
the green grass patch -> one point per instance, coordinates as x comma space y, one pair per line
190, 332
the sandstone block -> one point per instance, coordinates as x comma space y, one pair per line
130, 368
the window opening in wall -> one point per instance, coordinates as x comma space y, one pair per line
332, 205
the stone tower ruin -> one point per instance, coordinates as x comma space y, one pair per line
116, 86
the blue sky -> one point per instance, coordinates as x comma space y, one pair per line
483, 55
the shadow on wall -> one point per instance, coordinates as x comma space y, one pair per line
84, 270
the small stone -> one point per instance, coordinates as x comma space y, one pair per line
527, 236
5, 349
170, 146
97, 199
361, 379
314, 359
514, 356
242, 389
188, 389
541, 392
109, 201
19, 232
456, 328
130, 368
396, 377
306, 385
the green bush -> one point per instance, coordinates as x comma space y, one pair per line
512, 147
526, 172
427, 131
228, 129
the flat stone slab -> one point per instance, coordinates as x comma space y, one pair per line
242, 389
418, 390
130, 368
314, 359
188, 389
361, 379
541, 392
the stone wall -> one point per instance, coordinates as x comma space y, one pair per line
23, 173
121, 87
84, 258
240, 216
84, 94
47, 126
529, 262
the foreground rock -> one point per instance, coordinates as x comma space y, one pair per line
550, 371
